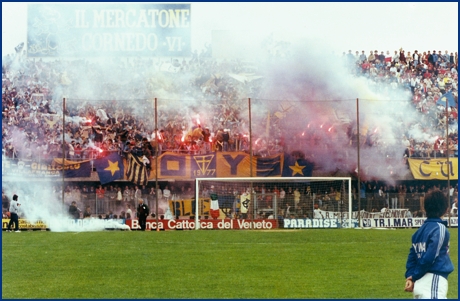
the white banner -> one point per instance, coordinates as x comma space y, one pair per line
415, 222
307, 223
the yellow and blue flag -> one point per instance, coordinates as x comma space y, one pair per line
137, 171
269, 166
75, 169
449, 98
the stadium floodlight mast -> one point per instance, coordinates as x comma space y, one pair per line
314, 189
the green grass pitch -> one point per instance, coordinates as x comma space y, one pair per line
279, 264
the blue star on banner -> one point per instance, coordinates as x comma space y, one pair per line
296, 168
109, 168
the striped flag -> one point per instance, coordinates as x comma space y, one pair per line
214, 204
137, 171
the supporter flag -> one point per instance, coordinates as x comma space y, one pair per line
269, 166
233, 164
173, 165
79, 170
434, 169
447, 97
75, 169
137, 171
245, 200
203, 166
293, 167
214, 204
109, 168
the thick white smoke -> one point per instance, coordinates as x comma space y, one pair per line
322, 97
40, 201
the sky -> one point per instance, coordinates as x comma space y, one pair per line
344, 26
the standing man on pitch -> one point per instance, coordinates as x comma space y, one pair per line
428, 263
142, 213
74, 211
14, 211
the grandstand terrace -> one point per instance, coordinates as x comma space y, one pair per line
203, 107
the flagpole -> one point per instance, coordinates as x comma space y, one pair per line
96, 202
156, 161
447, 155
251, 205
63, 147
250, 137
359, 169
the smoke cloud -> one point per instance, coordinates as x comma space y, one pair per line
40, 201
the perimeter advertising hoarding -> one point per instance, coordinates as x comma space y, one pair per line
367, 223
25, 224
182, 224
206, 224
108, 29
229, 224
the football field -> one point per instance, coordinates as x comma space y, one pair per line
217, 264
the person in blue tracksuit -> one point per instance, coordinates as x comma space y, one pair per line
428, 264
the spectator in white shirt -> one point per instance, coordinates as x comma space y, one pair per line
166, 193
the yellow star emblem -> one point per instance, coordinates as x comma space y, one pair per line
113, 167
297, 169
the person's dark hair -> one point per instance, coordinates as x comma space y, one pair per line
15, 197
436, 203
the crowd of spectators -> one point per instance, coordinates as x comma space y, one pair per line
427, 76
32, 107
111, 105
293, 200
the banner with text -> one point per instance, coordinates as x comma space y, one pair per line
25, 224
434, 169
206, 224
108, 29
307, 223
228, 224
72, 169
